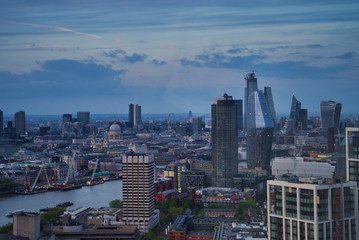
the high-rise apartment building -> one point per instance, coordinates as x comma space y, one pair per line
1, 122
134, 115
67, 117
251, 86
239, 103
224, 141
138, 191
270, 103
20, 122
312, 209
83, 117
197, 125
352, 154
259, 132
330, 115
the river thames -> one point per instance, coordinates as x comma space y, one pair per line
96, 196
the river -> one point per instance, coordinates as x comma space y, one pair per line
95, 196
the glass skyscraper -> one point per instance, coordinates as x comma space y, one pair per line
224, 141
330, 115
270, 103
294, 110
260, 132
251, 86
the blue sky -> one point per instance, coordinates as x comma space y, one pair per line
174, 56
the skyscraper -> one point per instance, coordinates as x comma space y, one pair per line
270, 103
294, 110
260, 132
251, 86
239, 104
224, 141
330, 115
138, 191
197, 125
67, 117
134, 115
20, 122
83, 117
1, 122
298, 115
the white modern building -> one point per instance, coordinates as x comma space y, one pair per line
138, 191
312, 209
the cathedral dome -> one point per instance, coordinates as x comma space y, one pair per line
115, 127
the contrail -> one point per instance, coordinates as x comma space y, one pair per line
58, 28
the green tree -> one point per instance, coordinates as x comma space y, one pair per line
52, 215
151, 234
174, 211
245, 205
188, 203
117, 203
200, 214
6, 228
8, 184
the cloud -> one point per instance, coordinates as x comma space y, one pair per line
62, 78
346, 56
158, 62
120, 55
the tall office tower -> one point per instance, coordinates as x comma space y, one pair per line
251, 86
83, 117
352, 154
197, 125
270, 103
224, 141
138, 191
67, 117
134, 115
131, 115
20, 122
189, 115
312, 209
302, 122
1, 122
259, 133
239, 104
294, 110
330, 115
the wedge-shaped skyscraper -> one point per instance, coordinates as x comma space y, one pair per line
260, 132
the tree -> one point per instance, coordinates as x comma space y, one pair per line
6, 228
117, 203
52, 215
8, 184
188, 203
174, 211
151, 234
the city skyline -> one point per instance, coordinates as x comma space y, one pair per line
174, 57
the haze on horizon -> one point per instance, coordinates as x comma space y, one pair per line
59, 57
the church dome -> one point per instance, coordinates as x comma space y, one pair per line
115, 127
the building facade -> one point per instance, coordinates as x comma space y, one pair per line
312, 210
239, 103
330, 115
224, 141
259, 132
197, 125
20, 123
138, 191
352, 154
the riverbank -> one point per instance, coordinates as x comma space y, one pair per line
95, 196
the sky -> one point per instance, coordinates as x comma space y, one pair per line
174, 56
